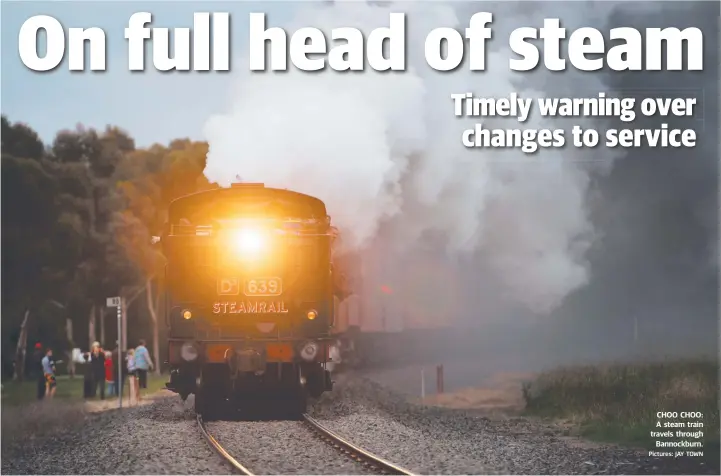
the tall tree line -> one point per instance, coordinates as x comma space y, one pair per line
77, 219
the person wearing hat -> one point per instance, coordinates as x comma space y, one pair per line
37, 370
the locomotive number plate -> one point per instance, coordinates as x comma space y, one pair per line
263, 287
228, 287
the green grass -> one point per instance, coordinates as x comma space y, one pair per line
618, 403
68, 389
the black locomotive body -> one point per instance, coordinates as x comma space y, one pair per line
249, 296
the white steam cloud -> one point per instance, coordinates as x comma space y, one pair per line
384, 152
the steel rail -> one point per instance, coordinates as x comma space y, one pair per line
354, 451
359, 455
221, 451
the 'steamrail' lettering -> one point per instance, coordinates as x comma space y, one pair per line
250, 307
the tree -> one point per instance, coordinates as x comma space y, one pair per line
19, 140
149, 180
37, 223
57, 205
93, 158
78, 217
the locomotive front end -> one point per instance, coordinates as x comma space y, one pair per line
250, 296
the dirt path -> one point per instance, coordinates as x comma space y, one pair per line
94, 406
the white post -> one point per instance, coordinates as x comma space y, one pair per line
120, 354
423, 383
124, 318
117, 303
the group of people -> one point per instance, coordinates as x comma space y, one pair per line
101, 374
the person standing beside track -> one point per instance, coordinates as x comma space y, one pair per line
114, 356
37, 370
49, 373
143, 363
97, 366
109, 374
132, 381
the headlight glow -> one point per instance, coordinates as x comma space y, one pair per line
312, 314
248, 242
188, 352
187, 314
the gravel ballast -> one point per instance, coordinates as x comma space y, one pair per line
163, 438
432, 440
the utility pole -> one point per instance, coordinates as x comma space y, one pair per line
124, 319
117, 302
120, 353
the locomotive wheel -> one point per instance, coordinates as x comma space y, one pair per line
200, 405
210, 407
299, 402
316, 383
207, 403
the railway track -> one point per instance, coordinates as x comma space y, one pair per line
370, 461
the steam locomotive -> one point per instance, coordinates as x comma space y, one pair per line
251, 296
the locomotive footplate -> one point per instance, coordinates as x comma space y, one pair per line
253, 353
225, 369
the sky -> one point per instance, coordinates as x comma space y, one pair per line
656, 226
152, 106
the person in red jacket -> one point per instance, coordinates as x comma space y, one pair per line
109, 376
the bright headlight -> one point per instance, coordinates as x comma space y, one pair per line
309, 351
248, 242
188, 352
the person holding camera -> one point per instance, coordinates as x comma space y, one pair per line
97, 369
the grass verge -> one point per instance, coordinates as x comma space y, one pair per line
68, 390
618, 403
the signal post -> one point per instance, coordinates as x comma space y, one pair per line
117, 302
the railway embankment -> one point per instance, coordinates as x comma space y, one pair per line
163, 438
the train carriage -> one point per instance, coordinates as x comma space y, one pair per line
250, 295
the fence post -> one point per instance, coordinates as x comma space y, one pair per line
439, 378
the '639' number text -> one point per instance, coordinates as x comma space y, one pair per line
263, 287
